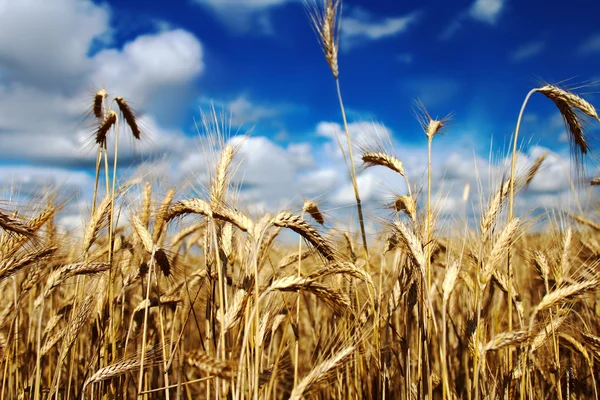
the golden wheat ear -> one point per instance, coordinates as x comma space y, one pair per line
301, 227
129, 117
576, 113
383, 159
11, 224
326, 19
534, 168
406, 204
430, 126
312, 208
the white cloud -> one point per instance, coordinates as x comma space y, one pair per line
272, 177
319, 182
301, 154
361, 133
360, 26
527, 51
243, 111
357, 130
268, 174
245, 16
486, 10
36, 179
38, 119
45, 43
45, 87
150, 63
590, 45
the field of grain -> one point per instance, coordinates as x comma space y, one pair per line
164, 296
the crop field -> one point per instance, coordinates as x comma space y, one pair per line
165, 295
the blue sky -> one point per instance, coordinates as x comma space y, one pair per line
260, 60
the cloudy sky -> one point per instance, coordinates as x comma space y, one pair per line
259, 63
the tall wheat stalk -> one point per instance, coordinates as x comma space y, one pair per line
573, 110
431, 127
326, 21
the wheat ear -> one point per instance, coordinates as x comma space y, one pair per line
301, 227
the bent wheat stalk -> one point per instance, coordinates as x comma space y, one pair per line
573, 109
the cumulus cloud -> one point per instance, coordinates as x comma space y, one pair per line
360, 26
357, 130
32, 180
264, 171
271, 177
361, 133
486, 10
150, 63
46, 77
155, 66
45, 43
527, 51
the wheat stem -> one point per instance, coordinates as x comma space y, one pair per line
353, 168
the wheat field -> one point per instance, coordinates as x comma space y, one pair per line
170, 296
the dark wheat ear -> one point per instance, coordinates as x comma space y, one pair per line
129, 117
103, 129
98, 101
